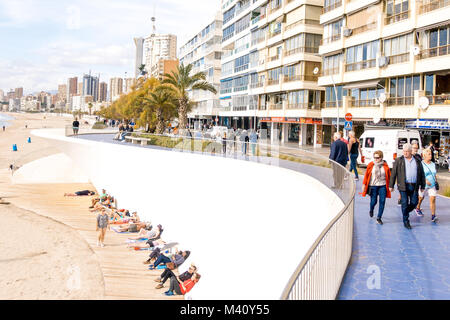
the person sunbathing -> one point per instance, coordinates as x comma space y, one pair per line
177, 259
178, 287
132, 227
80, 193
167, 274
102, 197
149, 233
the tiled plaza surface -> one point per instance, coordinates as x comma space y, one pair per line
391, 262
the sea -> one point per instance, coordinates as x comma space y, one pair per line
4, 120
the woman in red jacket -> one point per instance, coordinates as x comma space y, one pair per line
376, 184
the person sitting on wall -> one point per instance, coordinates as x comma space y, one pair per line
102, 197
153, 237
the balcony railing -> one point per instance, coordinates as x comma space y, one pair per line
331, 39
332, 6
396, 17
257, 85
399, 58
272, 82
274, 34
301, 22
433, 5
241, 68
330, 71
240, 108
364, 103
297, 106
301, 50
400, 101
299, 77
435, 52
440, 99
362, 29
274, 58
361, 65
331, 104
277, 106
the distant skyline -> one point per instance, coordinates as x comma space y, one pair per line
45, 42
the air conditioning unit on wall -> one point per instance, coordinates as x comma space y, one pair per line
383, 61
347, 32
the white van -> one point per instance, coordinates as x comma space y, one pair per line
390, 141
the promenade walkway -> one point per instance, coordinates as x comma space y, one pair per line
389, 261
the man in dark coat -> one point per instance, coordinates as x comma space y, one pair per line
339, 154
408, 172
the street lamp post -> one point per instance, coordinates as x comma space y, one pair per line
316, 72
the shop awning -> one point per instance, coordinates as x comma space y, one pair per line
360, 85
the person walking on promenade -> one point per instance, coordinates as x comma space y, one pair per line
75, 126
354, 149
431, 187
376, 184
416, 154
224, 143
408, 172
339, 154
253, 141
102, 224
433, 149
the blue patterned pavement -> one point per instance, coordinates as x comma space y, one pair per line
390, 262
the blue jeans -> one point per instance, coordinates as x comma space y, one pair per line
353, 164
410, 199
375, 192
161, 259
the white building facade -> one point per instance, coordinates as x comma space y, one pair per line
204, 52
158, 47
267, 82
390, 63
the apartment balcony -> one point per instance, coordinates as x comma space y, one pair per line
364, 28
433, 5
399, 58
435, 52
400, 101
433, 59
331, 44
357, 66
396, 17
332, 6
276, 106
301, 26
440, 100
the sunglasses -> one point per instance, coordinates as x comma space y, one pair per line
376, 158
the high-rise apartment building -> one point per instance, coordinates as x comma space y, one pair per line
388, 63
62, 92
72, 88
115, 88
2, 95
139, 60
270, 50
158, 47
204, 52
80, 88
103, 91
129, 83
18, 93
90, 86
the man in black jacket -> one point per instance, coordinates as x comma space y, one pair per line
339, 154
408, 172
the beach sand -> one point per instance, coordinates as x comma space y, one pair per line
48, 241
40, 258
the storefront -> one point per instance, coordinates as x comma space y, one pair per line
433, 130
304, 131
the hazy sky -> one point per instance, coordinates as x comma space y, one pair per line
44, 42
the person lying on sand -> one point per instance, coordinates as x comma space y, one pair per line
80, 193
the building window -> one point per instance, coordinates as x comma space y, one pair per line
398, 48
329, 5
396, 10
436, 41
330, 96
332, 31
362, 56
401, 90
331, 64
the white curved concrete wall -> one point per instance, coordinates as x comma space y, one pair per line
248, 225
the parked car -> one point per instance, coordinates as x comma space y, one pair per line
390, 141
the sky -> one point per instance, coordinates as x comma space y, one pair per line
44, 42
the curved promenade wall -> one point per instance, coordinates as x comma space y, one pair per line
247, 224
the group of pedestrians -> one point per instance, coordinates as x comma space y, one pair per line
415, 177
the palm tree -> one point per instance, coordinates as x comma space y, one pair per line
162, 102
90, 105
142, 70
180, 82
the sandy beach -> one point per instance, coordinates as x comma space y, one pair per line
40, 258
48, 241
